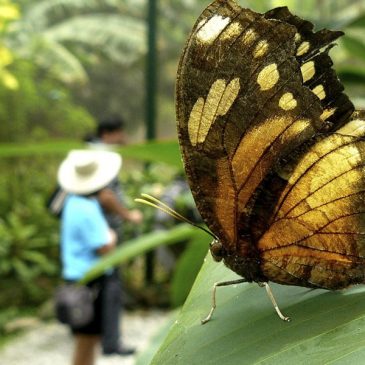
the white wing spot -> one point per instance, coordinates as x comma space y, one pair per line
212, 28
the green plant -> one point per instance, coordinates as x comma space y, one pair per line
24, 255
40, 108
8, 12
326, 327
62, 36
28, 234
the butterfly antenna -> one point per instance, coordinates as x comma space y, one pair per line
158, 204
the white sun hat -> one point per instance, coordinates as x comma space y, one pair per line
85, 171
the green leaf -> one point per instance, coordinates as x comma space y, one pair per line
40, 260
326, 327
22, 270
354, 46
138, 246
38, 149
188, 267
156, 151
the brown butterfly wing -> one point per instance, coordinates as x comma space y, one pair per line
312, 55
317, 234
242, 108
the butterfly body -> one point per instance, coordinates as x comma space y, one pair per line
272, 149
245, 264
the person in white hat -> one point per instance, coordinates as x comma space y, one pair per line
111, 133
85, 234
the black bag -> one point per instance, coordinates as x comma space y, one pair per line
74, 304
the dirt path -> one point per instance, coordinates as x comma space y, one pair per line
51, 344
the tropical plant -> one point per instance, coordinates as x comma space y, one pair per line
24, 258
40, 108
61, 35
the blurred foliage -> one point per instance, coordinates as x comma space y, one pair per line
98, 48
39, 109
60, 35
28, 235
29, 254
8, 12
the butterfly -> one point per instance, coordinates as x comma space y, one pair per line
273, 149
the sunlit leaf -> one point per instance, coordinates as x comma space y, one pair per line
6, 57
8, 80
9, 11
326, 327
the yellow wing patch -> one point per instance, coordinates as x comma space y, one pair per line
287, 102
327, 113
303, 48
308, 71
261, 49
249, 37
233, 30
319, 92
354, 128
219, 100
268, 77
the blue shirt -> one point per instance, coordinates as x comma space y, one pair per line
84, 230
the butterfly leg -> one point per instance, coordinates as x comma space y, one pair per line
273, 301
222, 283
